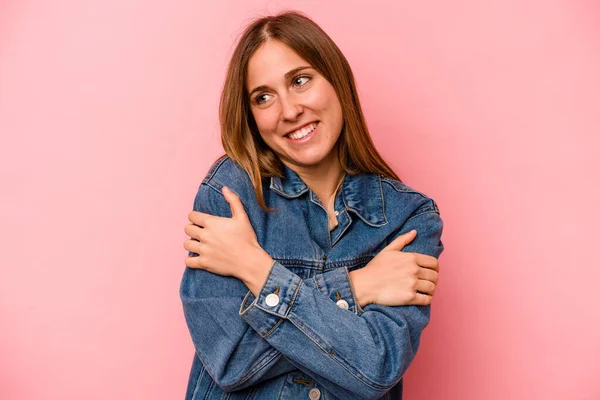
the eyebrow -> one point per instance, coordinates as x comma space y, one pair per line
288, 75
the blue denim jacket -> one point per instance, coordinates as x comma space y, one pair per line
304, 336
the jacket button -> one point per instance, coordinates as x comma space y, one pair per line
314, 394
342, 304
272, 300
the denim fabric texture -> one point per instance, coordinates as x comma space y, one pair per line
304, 336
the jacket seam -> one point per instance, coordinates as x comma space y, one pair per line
408, 189
365, 380
357, 308
260, 365
429, 211
257, 366
213, 170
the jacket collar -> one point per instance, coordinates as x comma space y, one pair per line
362, 193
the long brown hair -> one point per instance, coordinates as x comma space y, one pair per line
240, 137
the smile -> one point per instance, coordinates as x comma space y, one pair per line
302, 132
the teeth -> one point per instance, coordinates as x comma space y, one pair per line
300, 133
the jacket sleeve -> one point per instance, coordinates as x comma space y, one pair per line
235, 356
354, 356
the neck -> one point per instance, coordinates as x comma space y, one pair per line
323, 179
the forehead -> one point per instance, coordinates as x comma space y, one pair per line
270, 62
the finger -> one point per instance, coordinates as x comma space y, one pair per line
192, 245
401, 241
194, 262
425, 287
421, 300
426, 261
428, 275
237, 208
198, 218
194, 231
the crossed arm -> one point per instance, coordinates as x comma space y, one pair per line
242, 339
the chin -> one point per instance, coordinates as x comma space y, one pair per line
308, 162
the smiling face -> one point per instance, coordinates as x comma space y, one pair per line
296, 109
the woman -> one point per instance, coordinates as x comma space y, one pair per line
306, 277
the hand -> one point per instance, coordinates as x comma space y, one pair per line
396, 278
227, 246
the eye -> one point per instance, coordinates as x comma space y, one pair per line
301, 80
261, 98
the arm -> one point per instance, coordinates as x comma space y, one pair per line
235, 356
303, 326
353, 356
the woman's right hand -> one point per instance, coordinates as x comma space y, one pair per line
396, 278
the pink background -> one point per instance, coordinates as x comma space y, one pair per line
108, 115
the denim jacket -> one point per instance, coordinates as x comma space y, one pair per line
304, 336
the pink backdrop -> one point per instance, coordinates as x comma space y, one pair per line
108, 115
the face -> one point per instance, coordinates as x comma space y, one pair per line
296, 109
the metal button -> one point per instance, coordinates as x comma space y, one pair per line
337, 213
342, 304
272, 300
314, 394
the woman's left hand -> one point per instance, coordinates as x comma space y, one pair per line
227, 246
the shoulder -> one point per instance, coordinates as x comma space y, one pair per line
407, 209
399, 196
226, 172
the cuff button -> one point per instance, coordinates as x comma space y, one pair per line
314, 394
272, 300
342, 304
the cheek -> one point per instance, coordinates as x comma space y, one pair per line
266, 122
328, 102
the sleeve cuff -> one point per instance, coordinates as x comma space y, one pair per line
274, 301
338, 286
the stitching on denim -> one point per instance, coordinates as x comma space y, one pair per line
304, 329
252, 393
401, 187
209, 389
430, 211
209, 184
351, 262
304, 382
283, 194
360, 216
244, 301
213, 169
317, 284
345, 228
300, 283
206, 369
273, 327
258, 366
358, 310
199, 378
367, 222
382, 200
267, 279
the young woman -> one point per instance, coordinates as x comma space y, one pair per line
311, 266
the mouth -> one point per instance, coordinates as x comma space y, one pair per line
302, 132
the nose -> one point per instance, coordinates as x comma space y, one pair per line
290, 108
